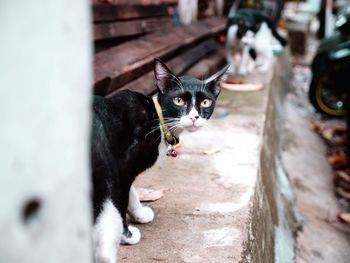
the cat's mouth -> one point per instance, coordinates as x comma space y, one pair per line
188, 127
192, 127
192, 124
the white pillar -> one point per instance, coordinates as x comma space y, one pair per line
219, 6
188, 10
45, 86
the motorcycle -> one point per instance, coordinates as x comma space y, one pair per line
328, 90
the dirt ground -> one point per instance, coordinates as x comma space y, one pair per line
323, 238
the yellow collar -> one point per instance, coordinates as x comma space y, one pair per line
171, 139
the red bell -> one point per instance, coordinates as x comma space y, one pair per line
173, 153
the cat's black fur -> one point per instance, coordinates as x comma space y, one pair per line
251, 19
120, 148
126, 133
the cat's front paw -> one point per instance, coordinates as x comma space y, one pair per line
142, 215
131, 238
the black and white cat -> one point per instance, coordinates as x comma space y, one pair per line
127, 137
249, 41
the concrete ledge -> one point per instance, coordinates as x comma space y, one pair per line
223, 207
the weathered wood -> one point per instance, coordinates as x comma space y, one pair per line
105, 44
182, 64
209, 65
105, 13
136, 2
118, 66
130, 28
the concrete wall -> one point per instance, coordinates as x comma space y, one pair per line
45, 72
273, 220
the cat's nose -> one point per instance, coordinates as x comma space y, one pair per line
194, 118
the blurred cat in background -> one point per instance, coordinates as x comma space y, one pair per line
250, 39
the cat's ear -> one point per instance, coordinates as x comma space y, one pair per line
165, 79
213, 82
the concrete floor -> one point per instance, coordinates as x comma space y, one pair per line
322, 238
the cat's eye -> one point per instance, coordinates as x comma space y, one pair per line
178, 101
206, 103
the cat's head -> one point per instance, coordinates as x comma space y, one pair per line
187, 103
244, 26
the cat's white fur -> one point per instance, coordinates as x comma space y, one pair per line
140, 214
107, 234
192, 121
264, 42
135, 236
108, 229
237, 50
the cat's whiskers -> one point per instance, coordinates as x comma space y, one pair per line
206, 126
178, 83
153, 129
171, 119
202, 82
174, 128
203, 86
172, 123
159, 137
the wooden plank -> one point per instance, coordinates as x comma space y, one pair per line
105, 13
105, 44
209, 65
130, 28
118, 66
179, 65
136, 2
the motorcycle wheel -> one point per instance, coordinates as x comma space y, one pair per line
323, 97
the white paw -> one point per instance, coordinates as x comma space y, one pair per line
142, 215
134, 238
106, 259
